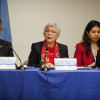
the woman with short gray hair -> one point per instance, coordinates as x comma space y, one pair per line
43, 53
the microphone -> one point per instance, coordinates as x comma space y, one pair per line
45, 67
21, 67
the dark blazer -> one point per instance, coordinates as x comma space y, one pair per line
82, 58
5, 49
35, 54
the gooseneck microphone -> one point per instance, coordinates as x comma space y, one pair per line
45, 67
21, 67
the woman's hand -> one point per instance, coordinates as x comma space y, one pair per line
91, 65
48, 65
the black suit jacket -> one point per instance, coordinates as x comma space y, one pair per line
35, 54
5, 49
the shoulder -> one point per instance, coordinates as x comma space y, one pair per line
80, 46
37, 43
61, 45
4, 42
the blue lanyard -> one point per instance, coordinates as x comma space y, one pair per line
94, 53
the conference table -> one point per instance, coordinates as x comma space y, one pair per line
33, 84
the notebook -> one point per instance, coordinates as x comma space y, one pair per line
98, 59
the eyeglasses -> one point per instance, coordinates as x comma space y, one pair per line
50, 31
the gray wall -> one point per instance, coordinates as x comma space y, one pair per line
28, 18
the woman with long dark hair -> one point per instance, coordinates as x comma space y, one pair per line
86, 51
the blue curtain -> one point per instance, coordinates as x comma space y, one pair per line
4, 15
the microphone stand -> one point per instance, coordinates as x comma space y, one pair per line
45, 67
21, 67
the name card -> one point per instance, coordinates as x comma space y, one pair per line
65, 64
7, 62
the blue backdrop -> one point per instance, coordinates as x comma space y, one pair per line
4, 15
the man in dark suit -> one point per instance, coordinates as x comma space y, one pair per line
45, 51
5, 49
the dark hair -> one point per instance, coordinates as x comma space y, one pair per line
86, 41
